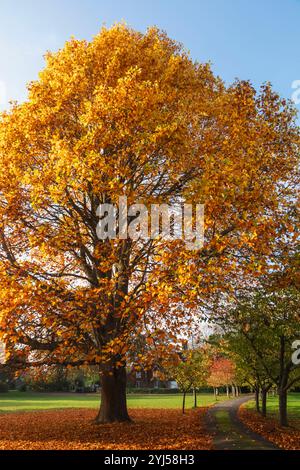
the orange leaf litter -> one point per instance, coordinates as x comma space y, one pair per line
73, 429
285, 438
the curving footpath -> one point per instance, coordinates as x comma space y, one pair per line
229, 433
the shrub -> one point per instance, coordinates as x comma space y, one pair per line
53, 386
3, 387
22, 388
158, 391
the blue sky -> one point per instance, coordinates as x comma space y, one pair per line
249, 39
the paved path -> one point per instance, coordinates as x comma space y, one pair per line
229, 432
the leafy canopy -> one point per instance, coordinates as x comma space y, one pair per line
131, 114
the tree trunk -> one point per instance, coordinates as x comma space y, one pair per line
257, 400
113, 397
233, 390
282, 385
264, 395
195, 397
227, 391
183, 402
283, 407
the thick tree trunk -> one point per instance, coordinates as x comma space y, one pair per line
257, 400
113, 397
283, 407
264, 395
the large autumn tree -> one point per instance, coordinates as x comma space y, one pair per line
129, 114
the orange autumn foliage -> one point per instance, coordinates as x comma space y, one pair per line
287, 438
222, 372
131, 114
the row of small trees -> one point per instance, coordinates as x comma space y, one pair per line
200, 367
260, 333
256, 346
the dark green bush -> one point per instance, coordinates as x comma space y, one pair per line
3, 387
22, 388
158, 391
55, 386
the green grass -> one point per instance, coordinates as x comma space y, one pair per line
27, 401
223, 421
272, 406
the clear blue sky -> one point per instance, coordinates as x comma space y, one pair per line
249, 39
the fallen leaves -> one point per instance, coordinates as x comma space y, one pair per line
74, 430
285, 438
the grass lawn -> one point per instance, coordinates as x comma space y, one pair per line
27, 401
272, 407
57, 421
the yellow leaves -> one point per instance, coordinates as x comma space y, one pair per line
130, 113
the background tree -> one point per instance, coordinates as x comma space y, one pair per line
222, 373
262, 328
191, 372
249, 368
58, 378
